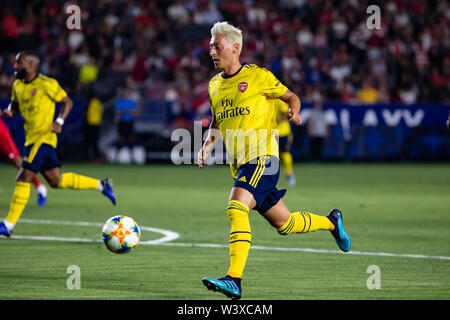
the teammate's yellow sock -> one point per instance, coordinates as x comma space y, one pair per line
286, 159
72, 180
18, 202
240, 237
302, 222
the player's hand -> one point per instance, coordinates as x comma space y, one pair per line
56, 127
6, 113
294, 118
201, 157
448, 121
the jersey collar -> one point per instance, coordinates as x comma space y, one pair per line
27, 82
227, 76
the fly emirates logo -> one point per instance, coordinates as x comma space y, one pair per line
231, 112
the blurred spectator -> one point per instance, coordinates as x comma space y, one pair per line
10, 26
89, 71
317, 128
367, 94
126, 110
94, 115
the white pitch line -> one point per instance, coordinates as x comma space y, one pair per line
381, 254
170, 236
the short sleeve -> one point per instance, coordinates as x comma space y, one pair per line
271, 87
55, 91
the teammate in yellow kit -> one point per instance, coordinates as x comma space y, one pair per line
285, 138
34, 96
240, 103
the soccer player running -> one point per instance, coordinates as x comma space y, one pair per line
34, 96
10, 150
240, 98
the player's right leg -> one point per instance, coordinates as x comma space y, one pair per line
239, 205
286, 223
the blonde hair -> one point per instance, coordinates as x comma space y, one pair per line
232, 34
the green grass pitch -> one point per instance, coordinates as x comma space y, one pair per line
393, 209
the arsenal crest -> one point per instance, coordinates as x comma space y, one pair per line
33, 91
242, 86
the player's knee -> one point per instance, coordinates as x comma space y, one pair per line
25, 175
54, 182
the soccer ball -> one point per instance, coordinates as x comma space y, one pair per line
121, 234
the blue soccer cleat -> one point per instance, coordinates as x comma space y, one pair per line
108, 190
229, 286
42, 195
342, 239
3, 230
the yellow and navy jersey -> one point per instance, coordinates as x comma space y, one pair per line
36, 101
244, 112
284, 127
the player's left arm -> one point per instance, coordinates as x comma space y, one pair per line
66, 107
293, 101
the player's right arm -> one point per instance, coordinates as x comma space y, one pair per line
12, 110
208, 145
13, 107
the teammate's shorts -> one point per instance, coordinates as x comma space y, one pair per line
40, 157
260, 179
285, 142
7, 145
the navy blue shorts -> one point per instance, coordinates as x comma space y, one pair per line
40, 157
260, 179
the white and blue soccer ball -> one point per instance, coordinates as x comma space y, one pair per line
121, 234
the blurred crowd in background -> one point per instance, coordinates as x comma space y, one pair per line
159, 50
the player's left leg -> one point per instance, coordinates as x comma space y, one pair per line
9, 148
286, 223
70, 180
18, 202
40, 188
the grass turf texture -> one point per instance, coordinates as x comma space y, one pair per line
392, 208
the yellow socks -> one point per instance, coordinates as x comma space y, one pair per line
302, 222
240, 237
18, 203
286, 159
71, 180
